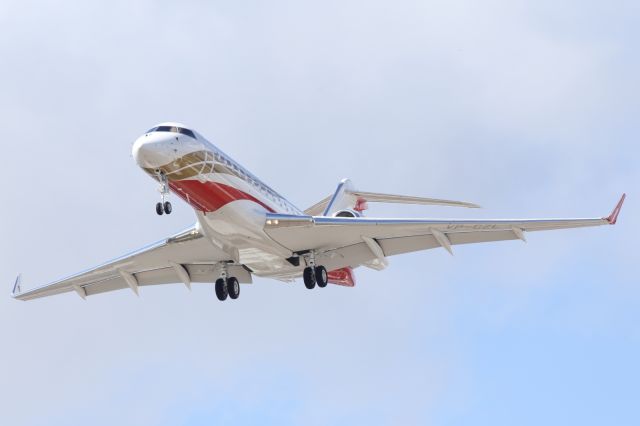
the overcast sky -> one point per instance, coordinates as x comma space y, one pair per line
529, 108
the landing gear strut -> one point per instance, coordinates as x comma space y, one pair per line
163, 207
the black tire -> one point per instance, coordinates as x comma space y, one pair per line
309, 278
233, 287
167, 207
322, 279
159, 209
221, 289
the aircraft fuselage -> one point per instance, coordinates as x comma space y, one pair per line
230, 202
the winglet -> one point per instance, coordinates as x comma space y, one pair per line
613, 217
16, 287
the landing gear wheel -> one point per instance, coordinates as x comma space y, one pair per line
309, 278
321, 276
167, 207
159, 209
221, 289
233, 287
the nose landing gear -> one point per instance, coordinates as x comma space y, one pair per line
163, 207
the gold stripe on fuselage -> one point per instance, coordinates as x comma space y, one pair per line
192, 165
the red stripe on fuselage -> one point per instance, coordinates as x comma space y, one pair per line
210, 196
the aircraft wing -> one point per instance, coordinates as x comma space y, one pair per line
183, 258
356, 241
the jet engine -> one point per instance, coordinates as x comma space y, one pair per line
347, 213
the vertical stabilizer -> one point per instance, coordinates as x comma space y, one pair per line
342, 199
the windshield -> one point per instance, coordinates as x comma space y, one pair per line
173, 129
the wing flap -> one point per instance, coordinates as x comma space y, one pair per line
394, 246
105, 286
157, 276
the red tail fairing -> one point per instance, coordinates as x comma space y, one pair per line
342, 276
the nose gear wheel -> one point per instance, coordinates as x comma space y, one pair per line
167, 207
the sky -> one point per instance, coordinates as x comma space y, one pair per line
529, 108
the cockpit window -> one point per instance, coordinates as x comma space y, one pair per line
167, 129
186, 132
173, 129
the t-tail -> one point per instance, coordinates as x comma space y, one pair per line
347, 201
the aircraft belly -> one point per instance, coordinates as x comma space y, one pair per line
237, 229
262, 262
232, 213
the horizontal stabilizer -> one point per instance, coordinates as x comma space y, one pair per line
374, 197
346, 197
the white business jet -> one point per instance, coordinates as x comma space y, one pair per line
245, 228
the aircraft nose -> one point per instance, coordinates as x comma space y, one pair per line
154, 149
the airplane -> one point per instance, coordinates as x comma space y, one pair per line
245, 229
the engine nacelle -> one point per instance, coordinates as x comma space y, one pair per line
347, 213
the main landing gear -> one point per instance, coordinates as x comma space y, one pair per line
227, 287
163, 207
313, 274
